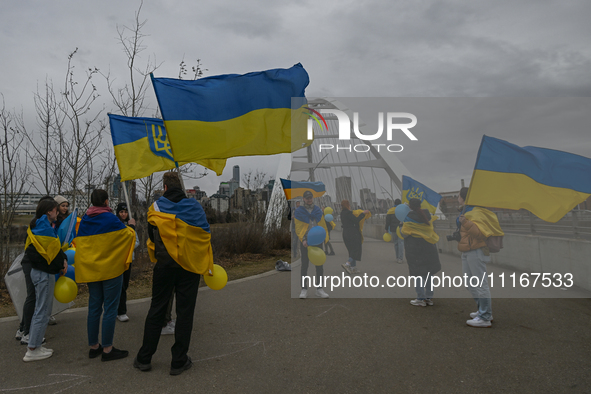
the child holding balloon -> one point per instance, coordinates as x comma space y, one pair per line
44, 254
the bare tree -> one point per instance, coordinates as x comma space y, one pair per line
255, 180
13, 180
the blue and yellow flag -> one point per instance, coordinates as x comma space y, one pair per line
419, 230
44, 238
358, 212
486, 221
413, 189
304, 221
293, 189
234, 115
142, 148
104, 248
546, 182
185, 232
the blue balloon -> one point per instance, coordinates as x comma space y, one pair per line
70, 274
328, 217
401, 212
316, 236
70, 255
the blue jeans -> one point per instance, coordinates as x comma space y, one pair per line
43, 301
105, 292
474, 264
352, 262
399, 247
423, 288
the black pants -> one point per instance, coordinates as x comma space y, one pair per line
305, 264
185, 285
122, 310
29, 306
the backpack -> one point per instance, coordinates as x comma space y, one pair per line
494, 243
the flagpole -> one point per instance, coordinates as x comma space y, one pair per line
127, 199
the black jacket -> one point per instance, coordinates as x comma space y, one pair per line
162, 256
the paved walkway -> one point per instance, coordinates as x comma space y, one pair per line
253, 337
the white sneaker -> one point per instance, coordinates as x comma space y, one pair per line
474, 314
19, 335
168, 329
304, 294
429, 301
46, 350
417, 302
52, 321
122, 318
321, 293
346, 267
355, 270
399, 261
478, 322
36, 355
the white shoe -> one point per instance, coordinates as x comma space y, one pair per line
19, 335
474, 314
429, 301
36, 355
417, 302
347, 267
478, 322
46, 350
321, 293
122, 318
168, 329
52, 321
304, 293
399, 261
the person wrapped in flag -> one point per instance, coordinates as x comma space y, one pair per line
180, 245
306, 217
422, 255
43, 258
352, 223
104, 250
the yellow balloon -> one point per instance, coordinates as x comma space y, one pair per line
65, 290
387, 237
316, 255
218, 280
328, 211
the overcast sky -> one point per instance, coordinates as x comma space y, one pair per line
349, 48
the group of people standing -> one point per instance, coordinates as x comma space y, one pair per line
105, 243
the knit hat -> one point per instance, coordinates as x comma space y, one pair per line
121, 207
60, 199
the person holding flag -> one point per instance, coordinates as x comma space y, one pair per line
392, 223
180, 245
104, 249
306, 217
475, 225
422, 255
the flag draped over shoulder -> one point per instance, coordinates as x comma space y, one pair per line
293, 189
486, 221
142, 148
413, 189
235, 115
304, 221
185, 233
104, 248
44, 238
546, 182
420, 230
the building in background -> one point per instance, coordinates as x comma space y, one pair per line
236, 174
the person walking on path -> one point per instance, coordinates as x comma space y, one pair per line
422, 255
306, 217
392, 223
352, 223
104, 250
44, 254
180, 245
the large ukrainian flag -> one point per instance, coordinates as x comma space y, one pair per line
413, 189
185, 232
104, 248
44, 238
142, 148
546, 182
234, 115
293, 189
304, 220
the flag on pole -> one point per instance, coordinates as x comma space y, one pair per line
142, 148
235, 115
413, 189
293, 189
549, 183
